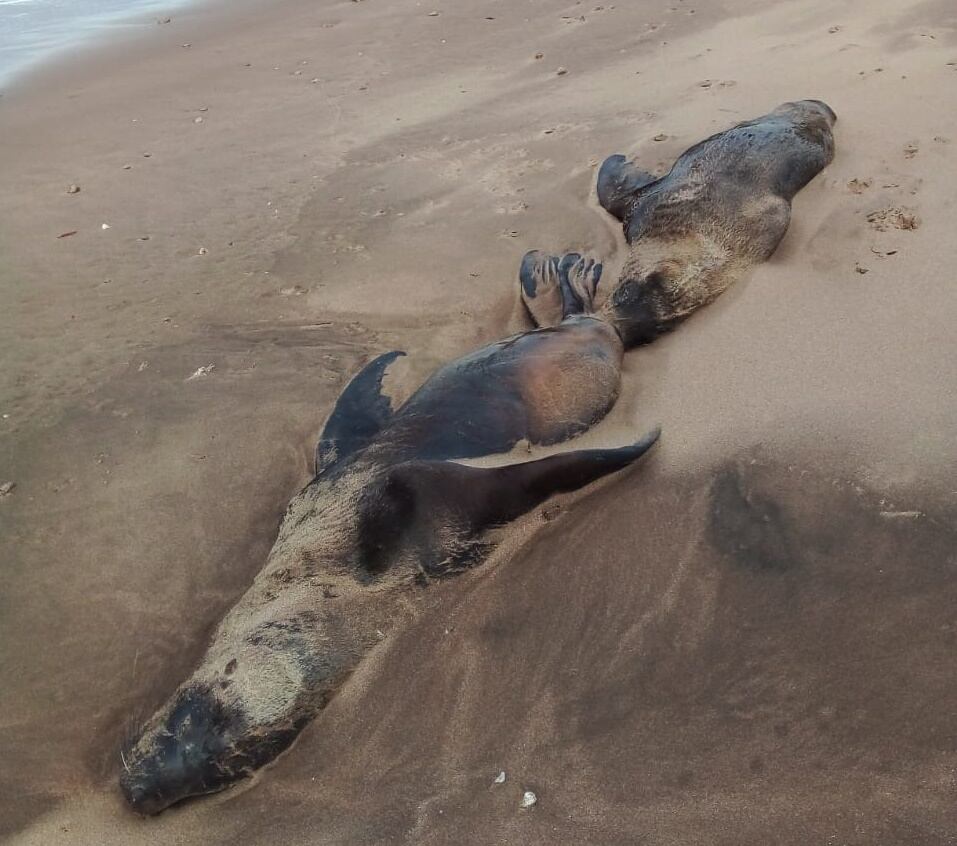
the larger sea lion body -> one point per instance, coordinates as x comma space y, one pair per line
724, 206
388, 508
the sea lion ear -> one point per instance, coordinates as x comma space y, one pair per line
467, 500
360, 412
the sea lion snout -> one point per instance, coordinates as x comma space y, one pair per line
180, 754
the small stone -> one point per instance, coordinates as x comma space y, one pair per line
660, 137
202, 251
204, 108
7, 488
528, 799
163, 20
500, 778
73, 189
561, 71
105, 226
143, 238
198, 119
833, 29
433, 14
861, 269
127, 167
539, 55
187, 45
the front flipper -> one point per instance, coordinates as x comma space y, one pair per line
441, 508
619, 181
360, 412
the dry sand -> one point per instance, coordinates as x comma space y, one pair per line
749, 640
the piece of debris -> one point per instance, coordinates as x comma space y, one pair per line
500, 778
660, 137
201, 371
7, 488
433, 14
561, 71
163, 20
539, 55
105, 226
861, 269
833, 29
202, 251
127, 167
858, 186
198, 119
902, 515
528, 799
898, 218
67, 234
73, 189
143, 238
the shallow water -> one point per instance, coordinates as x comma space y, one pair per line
34, 30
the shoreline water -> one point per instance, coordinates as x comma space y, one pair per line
308, 185
37, 32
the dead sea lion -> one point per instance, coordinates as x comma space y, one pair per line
388, 508
723, 207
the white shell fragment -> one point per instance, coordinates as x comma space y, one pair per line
500, 778
202, 371
528, 799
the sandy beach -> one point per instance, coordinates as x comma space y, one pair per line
749, 639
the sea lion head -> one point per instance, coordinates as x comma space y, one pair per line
185, 750
198, 743
242, 707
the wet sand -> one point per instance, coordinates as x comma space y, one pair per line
747, 639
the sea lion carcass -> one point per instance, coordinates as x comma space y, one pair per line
724, 206
388, 507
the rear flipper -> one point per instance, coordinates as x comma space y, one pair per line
554, 288
619, 182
